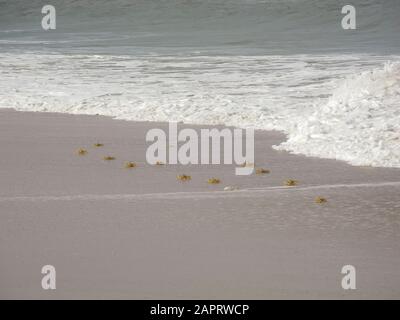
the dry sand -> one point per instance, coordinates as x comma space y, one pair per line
116, 233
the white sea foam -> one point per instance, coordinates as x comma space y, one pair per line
331, 106
360, 123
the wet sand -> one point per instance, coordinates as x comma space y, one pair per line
113, 232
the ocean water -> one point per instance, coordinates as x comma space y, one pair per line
276, 65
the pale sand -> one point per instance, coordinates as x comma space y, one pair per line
113, 232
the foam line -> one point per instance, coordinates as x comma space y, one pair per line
245, 193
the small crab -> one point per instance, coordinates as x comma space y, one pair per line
291, 183
262, 171
213, 181
108, 158
184, 177
98, 145
82, 152
130, 165
320, 200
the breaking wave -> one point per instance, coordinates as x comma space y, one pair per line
359, 124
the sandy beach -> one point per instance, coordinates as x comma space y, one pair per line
139, 233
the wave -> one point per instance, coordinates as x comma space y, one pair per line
356, 119
359, 124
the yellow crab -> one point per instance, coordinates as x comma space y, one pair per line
184, 177
82, 152
262, 171
291, 183
130, 165
320, 200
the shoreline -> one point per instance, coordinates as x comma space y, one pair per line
113, 232
280, 136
